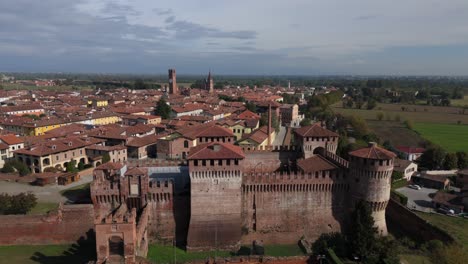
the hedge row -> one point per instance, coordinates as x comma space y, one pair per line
332, 257
399, 197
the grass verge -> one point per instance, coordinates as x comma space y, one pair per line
455, 226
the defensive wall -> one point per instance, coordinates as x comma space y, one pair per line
406, 223
280, 208
64, 226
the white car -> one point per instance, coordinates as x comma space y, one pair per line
414, 186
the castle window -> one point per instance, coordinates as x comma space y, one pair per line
158, 184
220, 162
195, 162
211, 162
186, 144
381, 162
236, 162
166, 184
228, 162
203, 162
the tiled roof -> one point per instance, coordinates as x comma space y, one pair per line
315, 163
137, 171
142, 141
410, 150
373, 152
315, 130
57, 146
11, 139
216, 150
205, 130
247, 114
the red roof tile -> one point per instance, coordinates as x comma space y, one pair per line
216, 150
315, 163
315, 130
373, 152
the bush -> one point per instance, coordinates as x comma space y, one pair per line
397, 175
333, 257
12, 165
333, 241
399, 197
8, 168
17, 204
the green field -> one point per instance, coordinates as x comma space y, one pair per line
451, 137
455, 226
167, 254
42, 208
50, 254
396, 133
415, 113
460, 102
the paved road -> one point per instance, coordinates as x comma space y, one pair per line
418, 199
48, 193
280, 137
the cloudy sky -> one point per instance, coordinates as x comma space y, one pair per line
402, 37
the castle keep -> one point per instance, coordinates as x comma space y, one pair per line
226, 195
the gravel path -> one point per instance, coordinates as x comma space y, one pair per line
47, 194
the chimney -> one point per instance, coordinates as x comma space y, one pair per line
269, 124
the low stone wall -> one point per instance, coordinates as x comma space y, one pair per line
409, 224
65, 226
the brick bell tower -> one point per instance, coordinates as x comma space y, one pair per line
370, 180
173, 89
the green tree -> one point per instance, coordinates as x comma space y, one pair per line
450, 161
408, 124
8, 168
371, 104
21, 203
105, 158
140, 85
433, 158
359, 125
274, 121
462, 160
305, 122
251, 107
163, 109
71, 166
335, 241
362, 236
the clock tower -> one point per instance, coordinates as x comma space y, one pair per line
173, 89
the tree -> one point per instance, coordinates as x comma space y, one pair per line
105, 158
371, 104
139, 85
335, 241
305, 122
408, 124
462, 160
163, 109
432, 158
71, 166
17, 204
359, 125
251, 107
12, 165
450, 161
362, 236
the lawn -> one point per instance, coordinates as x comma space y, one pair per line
165, 254
455, 226
50, 254
450, 137
42, 208
80, 193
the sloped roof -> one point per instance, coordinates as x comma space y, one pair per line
247, 114
315, 130
205, 130
315, 163
373, 152
216, 150
136, 171
11, 139
110, 166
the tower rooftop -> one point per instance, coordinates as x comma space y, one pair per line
373, 152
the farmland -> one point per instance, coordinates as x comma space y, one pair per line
396, 133
451, 137
415, 113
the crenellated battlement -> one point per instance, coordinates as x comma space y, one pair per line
281, 148
295, 187
155, 163
296, 178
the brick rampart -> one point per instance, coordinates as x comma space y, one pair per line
64, 226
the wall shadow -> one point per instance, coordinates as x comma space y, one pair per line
83, 251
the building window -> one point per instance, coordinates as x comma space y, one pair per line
186, 144
203, 162
65, 155
211, 162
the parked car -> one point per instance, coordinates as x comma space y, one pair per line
414, 186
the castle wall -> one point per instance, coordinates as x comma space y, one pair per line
283, 208
63, 227
268, 161
215, 220
161, 222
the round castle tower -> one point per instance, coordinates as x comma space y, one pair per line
371, 172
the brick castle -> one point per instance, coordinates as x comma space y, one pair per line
225, 195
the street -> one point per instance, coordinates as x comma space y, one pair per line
418, 199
